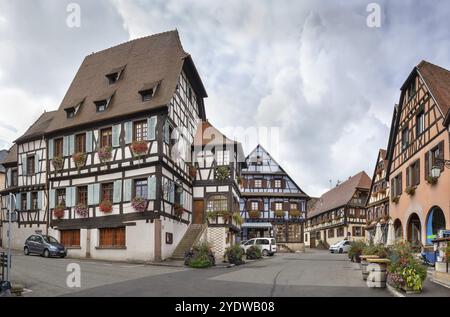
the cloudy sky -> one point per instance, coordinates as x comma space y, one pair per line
312, 72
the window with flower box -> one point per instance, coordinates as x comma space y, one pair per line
58, 147
140, 130
107, 192
82, 195
140, 188
106, 137
61, 197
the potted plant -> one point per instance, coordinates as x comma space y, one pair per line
294, 213
355, 251
212, 216
58, 163
432, 180
254, 214
178, 209
139, 204
410, 190
59, 211
192, 171
200, 256
237, 218
79, 159
253, 253
280, 214
222, 173
106, 206
234, 254
82, 210
395, 199
105, 154
139, 148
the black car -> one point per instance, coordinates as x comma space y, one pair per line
44, 245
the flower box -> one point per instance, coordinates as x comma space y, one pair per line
106, 206
280, 214
411, 190
395, 199
382, 191
105, 154
79, 159
432, 180
254, 214
82, 210
139, 204
294, 213
139, 148
58, 163
59, 212
178, 209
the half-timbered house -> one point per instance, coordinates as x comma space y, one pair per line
272, 204
377, 206
420, 140
339, 213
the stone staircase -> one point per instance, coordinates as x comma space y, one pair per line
282, 248
191, 236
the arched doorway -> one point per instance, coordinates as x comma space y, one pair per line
435, 222
398, 229
414, 230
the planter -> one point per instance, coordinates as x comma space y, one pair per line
58, 163
106, 206
364, 264
294, 213
139, 148
395, 200
280, 214
377, 269
59, 212
139, 204
382, 191
410, 191
254, 214
82, 210
105, 154
222, 173
432, 180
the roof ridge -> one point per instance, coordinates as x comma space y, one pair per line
434, 65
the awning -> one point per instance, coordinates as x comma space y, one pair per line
257, 225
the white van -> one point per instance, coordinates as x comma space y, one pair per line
268, 246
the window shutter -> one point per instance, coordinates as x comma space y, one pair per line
51, 144
127, 190
166, 133
71, 144
272, 206
261, 206
264, 183
66, 146
172, 193
96, 199
24, 164
151, 124
128, 132
408, 180
400, 183
441, 153
29, 201
37, 163
417, 173
427, 164
182, 198
152, 188
89, 142
52, 196
285, 206
8, 178
116, 135
18, 201
73, 197
90, 198
283, 183
69, 202
248, 205
117, 192
39, 200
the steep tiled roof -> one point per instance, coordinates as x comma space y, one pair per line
438, 81
340, 195
11, 156
154, 59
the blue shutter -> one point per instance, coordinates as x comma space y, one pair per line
37, 163
166, 133
127, 190
29, 201
89, 147
90, 197
128, 132
182, 198
8, 176
68, 197
151, 188
96, 198
172, 193
24, 164
39, 200
71, 144
52, 196
51, 144
18, 201
116, 135
66, 146
73, 196
151, 124
117, 192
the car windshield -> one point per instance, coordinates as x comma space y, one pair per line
50, 239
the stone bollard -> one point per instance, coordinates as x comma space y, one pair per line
377, 269
364, 264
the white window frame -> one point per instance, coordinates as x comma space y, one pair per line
258, 183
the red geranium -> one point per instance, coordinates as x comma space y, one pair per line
106, 206
139, 147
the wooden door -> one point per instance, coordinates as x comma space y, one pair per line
198, 216
312, 240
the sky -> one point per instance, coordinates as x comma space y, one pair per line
311, 80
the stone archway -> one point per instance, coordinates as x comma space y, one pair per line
398, 229
414, 230
435, 222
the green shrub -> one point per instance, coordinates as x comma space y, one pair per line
356, 249
376, 249
253, 253
200, 256
234, 254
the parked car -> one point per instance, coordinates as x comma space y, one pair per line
340, 247
268, 246
46, 246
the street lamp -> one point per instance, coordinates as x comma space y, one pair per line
436, 169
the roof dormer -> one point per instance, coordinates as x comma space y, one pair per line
103, 102
115, 75
72, 111
148, 91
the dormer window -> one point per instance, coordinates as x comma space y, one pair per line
115, 74
148, 91
103, 103
71, 112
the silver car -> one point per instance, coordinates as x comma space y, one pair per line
44, 245
340, 247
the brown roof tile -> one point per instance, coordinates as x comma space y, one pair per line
340, 195
156, 58
11, 156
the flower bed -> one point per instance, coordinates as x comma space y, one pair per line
106, 206
139, 204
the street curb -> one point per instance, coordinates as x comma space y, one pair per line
394, 292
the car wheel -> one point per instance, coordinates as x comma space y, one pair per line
26, 251
265, 253
46, 253
341, 251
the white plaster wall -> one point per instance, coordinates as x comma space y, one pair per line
178, 230
19, 235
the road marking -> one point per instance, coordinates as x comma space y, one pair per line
132, 266
26, 291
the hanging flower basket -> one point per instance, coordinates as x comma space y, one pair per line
395, 199
105, 154
139, 148
82, 210
178, 209
222, 173
106, 206
139, 204
280, 214
294, 213
192, 171
410, 190
254, 214
58, 163
58, 212
432, 180
79, 159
